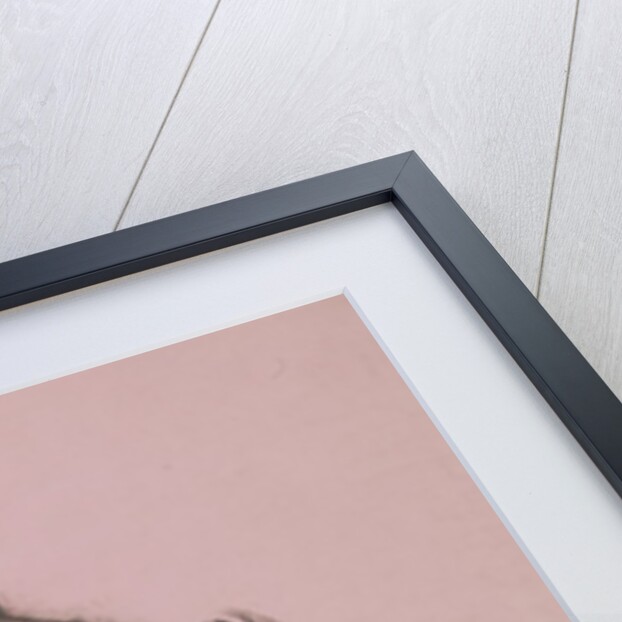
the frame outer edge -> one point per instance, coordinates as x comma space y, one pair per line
573, 389
120, 253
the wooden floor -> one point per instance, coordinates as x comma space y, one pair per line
113, 114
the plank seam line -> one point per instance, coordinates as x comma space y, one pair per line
167, 115
547, 218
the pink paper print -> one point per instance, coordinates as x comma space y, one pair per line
280, 466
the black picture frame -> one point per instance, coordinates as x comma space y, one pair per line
572, 388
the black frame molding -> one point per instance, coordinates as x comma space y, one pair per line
581, 399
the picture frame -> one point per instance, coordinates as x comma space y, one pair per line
575, 392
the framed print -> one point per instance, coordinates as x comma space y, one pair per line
328, 401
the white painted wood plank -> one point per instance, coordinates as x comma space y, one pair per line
582, 275
84, 87
279, 92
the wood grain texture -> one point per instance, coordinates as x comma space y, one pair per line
282, 92
582, 275
84, 87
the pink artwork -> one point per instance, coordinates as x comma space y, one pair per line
280, 468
